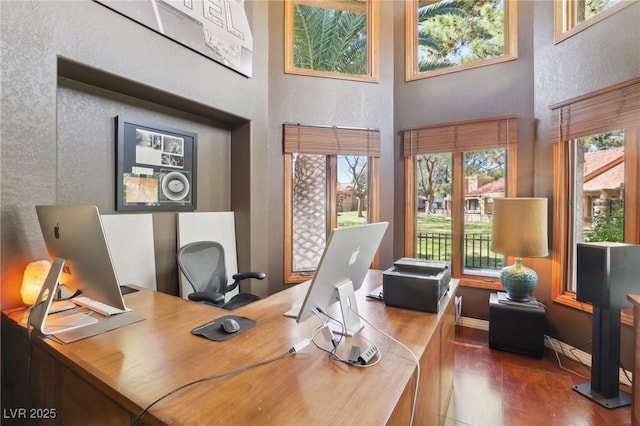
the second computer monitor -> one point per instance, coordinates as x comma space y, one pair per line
344, 263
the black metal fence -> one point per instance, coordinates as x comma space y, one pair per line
477, 249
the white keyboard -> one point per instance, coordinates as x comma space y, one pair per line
96, 306
294, 311
60, 305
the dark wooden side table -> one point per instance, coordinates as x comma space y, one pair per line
516, 327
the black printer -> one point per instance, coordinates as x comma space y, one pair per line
416, 284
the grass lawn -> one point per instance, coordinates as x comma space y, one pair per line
441, 223
477, 253
351, 218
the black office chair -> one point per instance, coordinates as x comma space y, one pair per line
202, 263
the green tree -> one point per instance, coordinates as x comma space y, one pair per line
358, 170
453, 32
430, 47
330, 40
589, 8
488, 164
604, 141
433, 176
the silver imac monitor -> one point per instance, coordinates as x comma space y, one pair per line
80, 256
344, 263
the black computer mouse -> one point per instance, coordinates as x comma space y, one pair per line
230, 325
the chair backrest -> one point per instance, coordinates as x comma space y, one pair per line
202, 263
209, 226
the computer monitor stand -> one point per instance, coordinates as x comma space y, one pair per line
349, 308
64, 321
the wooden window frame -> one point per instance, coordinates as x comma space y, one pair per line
613, 108
564, 12
373, 44
411, 43
456, 138
331, 142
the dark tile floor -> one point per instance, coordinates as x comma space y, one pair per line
493, 388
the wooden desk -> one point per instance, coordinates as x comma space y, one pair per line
635, 402
112, 377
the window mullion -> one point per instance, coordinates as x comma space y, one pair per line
632, 180
332, 193
457, 214
409, 206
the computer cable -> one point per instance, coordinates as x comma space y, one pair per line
29, 312
293, 350
557, 354
326, 332
361, 360
334, 340
29, 353
415, 358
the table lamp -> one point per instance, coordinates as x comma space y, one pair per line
519, 229
34, 275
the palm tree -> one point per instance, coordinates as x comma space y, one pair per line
426, 40
330, 40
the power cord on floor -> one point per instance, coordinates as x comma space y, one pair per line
555, 351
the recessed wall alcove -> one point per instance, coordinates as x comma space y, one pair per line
88, 100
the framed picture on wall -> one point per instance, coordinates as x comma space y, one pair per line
217, 29
155, 167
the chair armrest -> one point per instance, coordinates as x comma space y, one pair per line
244, 275
201, 296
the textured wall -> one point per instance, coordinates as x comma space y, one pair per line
324, 101
605, 54
39, 141
86, 158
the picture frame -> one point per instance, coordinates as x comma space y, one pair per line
155, 167
217, 29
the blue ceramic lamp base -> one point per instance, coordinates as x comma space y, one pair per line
518, 281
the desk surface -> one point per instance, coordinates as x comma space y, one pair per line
137, 364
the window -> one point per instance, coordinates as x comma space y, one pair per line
453, 172
331, 180
596, 158
453, 35
573, 16
332, 38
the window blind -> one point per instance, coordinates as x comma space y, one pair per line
616, 107
468, 135
331, 140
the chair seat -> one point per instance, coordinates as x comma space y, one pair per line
239, 300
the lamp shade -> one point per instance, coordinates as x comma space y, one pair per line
519, 227
34, 275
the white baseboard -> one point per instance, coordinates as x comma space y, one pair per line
474, 323
554, 344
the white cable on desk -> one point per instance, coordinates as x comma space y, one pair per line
294, 349
415, 358
333, 351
